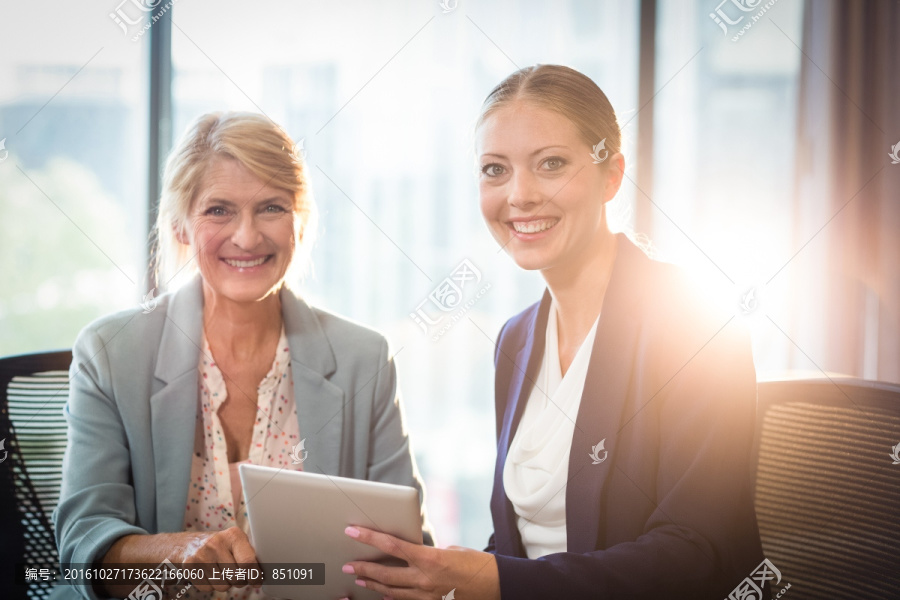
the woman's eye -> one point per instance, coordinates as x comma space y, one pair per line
553, 163
275, 209
492, 170
215, 211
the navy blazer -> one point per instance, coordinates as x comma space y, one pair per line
671, 391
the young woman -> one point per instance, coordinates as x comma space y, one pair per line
625, 404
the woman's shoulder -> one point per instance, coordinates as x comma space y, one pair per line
345, 336
648, 287
342, 329
139, 323
643, 288
518, 326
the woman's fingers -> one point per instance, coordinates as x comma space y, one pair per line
384, 542
392, 592
400, 583
432, 574
393, 576
242, 551
226, 548
220, 544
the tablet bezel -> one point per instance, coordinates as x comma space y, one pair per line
322, 506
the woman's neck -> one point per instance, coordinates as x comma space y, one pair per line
241, 329
579, 289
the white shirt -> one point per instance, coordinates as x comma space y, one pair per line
537, 464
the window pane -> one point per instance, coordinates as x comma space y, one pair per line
724, 154
384, 96
73, 120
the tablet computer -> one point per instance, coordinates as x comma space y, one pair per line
299, 517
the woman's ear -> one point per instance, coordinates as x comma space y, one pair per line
615, 171
180, 235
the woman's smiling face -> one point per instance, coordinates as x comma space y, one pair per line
242, 232
542, 195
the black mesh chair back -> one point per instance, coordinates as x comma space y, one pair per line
33, 390
828, 486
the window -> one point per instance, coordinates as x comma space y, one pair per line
72, 174
724, 131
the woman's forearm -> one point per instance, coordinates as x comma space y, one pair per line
189, 547
149, 550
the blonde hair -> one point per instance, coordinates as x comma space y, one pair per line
261, 146
565, 91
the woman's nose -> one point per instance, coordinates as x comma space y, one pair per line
246, 234
524, 192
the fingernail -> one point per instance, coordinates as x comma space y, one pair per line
347, 568
360, 583
352, 532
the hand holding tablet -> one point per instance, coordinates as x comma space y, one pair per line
298, 517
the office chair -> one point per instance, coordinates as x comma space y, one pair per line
33, 390
827, 489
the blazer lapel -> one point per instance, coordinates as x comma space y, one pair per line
319, 402
602, 401
173, 409
524, 370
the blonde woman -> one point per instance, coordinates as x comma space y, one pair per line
625, 405
233, 367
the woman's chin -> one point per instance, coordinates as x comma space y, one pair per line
245, 292
530, 260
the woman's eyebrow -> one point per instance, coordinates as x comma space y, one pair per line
216, 200
538, 151
225, 201
269, 199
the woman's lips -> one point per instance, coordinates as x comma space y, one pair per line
246, 263
534, 225
532, 229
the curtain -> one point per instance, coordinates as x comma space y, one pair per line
844, 276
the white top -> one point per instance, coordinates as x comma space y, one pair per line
537, 465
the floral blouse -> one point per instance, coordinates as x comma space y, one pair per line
214, 498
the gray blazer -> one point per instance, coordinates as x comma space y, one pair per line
133, 403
